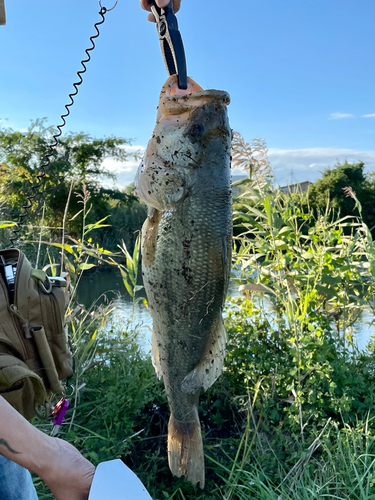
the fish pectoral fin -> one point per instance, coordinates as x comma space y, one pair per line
211, 365
155, 356
158, 185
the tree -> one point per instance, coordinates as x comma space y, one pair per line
330, 187
78, 158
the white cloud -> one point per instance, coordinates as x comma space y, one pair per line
289, 165
132, 149
372, 115
340, 116
296, 165
126, 170
5, 123
117, 167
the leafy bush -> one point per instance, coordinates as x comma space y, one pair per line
300, 384
292, 332
333, 181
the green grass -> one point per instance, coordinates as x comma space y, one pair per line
343, 467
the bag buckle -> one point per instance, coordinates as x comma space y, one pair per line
46, 285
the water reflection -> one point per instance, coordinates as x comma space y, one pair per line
109, 287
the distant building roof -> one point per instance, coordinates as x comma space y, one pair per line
2, 12
298, 187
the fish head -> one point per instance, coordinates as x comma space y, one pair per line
190, 124
187, 120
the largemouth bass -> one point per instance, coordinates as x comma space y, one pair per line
186, 255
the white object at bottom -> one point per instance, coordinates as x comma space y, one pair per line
113, 480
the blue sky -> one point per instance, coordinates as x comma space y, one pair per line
301, 73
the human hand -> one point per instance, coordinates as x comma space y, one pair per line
69, 475
145, 4
61, 466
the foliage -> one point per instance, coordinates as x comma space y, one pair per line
330, 187
304, 291
78, 158
129, 270
4, 224
291, 416
342, 470
126, 219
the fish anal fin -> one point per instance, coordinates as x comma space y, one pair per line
210, 367
185, 450
155, 356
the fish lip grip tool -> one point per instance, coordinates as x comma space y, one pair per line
113, 480
172, 47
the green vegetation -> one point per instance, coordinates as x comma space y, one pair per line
330, 187
75, 162
292, 416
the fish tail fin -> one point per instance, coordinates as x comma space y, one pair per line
185, 450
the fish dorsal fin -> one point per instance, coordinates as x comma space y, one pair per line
210, 367
155, 356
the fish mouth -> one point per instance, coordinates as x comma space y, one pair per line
174, 101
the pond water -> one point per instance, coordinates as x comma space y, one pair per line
100, 286
108, 286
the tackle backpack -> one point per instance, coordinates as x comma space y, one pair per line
34, 351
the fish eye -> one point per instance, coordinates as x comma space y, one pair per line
196, 131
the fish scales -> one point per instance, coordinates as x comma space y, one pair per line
186, 256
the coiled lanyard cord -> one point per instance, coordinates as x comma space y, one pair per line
47, 158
